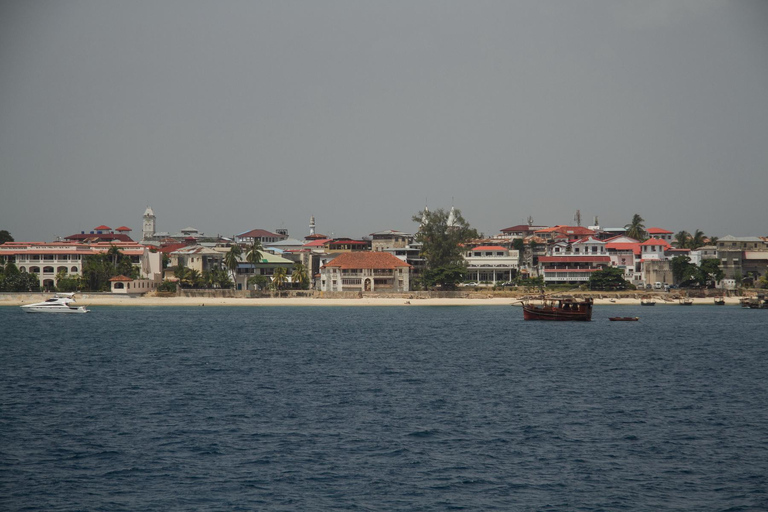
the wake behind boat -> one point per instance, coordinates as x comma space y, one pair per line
59, 303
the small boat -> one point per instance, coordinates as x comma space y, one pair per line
719, 301
558, 309
624, 318
759, 302
647, 301
686, 302
59, 303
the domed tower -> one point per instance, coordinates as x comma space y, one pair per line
148, 229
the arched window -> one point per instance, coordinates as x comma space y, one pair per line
22, 269
73, 270
61, 269
34, 270
47, 270
119, 286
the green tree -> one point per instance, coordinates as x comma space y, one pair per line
711, 273
13, 280
5, 236
299, 276
443, 236
259, 281
682, 238
232, 260
253, 253
697, 239
67, 283
636, 228
684, 272
607, 278
279, 278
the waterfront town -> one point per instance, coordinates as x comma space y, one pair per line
391, 261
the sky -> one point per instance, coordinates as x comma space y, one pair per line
233, 115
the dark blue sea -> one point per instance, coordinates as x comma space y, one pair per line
383, 408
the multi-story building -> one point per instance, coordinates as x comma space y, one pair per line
491, 263
365, 272
50, 259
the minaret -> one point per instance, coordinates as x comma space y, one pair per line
424, 219
312, 226
148, 229
452, 218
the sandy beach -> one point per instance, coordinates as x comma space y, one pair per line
118, 300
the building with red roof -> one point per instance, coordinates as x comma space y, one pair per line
365, 272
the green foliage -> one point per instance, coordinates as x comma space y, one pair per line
607, 278
5, 236
636, 228
299, 276
167, 286
232, 259
279, 278
98, 269
253, 252
12, 280
711, 272
446, 276
261, 282
684, 272
67, 283
442, 245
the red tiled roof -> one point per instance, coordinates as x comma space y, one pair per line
123, 228
102, 227
658, 231
369, 260
104, 236
121, 278
316, 243
624, 246
166, 249
655, 241
490, 248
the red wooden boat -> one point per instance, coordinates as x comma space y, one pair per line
559, 309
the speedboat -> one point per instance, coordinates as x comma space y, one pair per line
59, 303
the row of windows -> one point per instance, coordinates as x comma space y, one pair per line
49, 270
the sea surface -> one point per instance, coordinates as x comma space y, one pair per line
383, 408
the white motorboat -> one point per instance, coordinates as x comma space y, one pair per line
59, 303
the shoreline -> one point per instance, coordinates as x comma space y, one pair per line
365, 301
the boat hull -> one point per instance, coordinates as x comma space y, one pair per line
556, 314
52, 310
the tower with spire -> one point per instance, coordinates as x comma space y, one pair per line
148, 226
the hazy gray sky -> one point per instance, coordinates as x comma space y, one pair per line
228, 116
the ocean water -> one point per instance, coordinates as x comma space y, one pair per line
383, 408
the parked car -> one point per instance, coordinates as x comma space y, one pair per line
471, 283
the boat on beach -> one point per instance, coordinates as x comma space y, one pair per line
647, 301
558, 309
59, 303
685, 301
719, 301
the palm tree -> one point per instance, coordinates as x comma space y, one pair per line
279, 277
697, 240
299, 274
636, 229
253, 252
682, 238
232, 259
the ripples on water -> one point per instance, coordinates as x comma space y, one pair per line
392, 408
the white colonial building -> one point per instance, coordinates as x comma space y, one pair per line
491, 263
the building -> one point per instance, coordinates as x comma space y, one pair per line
520, 231
390, 239
260, 235
102, 233
50, 259
365, 272
196, 257
741, 257
660, 234
265, 267
491, 263
571, 269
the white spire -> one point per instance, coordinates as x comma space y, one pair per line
452, 218
312, 225
424, 220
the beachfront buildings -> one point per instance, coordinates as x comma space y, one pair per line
51, 259
491, 264
365, 272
